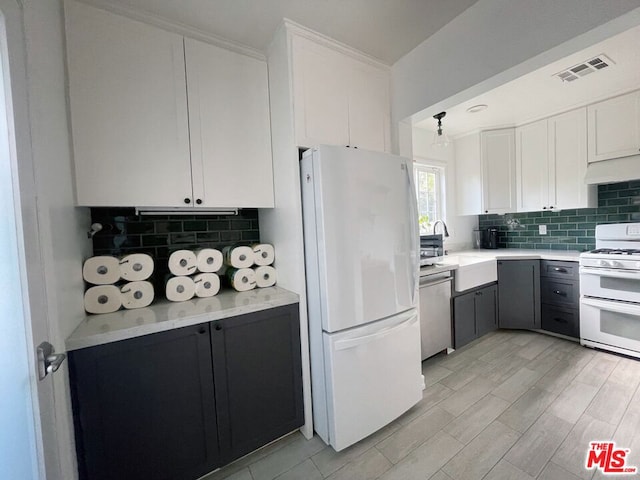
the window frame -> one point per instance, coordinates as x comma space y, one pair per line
440, 169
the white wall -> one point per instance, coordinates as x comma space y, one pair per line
62, 227
460, 227
495, 41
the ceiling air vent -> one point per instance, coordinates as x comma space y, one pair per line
585, 68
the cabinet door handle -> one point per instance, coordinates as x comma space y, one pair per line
560, 292
478, 293
199, 201
187, 201
202, 330
560, 320
544, 208
560, 269
218, 326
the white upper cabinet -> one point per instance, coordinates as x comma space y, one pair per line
568, 162
128, 103
532, 167
551, 163
229, 127
338, 99
614, 127
369, 103
151, 130
468, 175
497, 150
321, 98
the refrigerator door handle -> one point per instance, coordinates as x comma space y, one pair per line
354, 342
413, 208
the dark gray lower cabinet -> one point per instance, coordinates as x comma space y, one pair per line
178, 404
560, 285
474, 314
145, 407
258, 379
519, 294
486, 310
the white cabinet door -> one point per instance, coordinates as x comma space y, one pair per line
369, 116
614, 127
532, 167
568, 162
128, 106
229, 127
321, 94
338, 99
498, 170
468, 175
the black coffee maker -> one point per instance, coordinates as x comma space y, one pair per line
489, 238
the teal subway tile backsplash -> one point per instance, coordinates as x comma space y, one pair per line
572, 229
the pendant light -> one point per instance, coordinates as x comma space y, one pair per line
440, 139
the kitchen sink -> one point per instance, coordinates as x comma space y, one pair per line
472, 271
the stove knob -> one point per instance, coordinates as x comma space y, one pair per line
616, 264
604, 263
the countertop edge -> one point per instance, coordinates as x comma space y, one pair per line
78, 340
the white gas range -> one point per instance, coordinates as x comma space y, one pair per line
610, 290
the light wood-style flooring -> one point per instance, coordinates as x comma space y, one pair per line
511, 405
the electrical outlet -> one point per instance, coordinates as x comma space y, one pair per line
542, 229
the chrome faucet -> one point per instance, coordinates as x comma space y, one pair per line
446, 232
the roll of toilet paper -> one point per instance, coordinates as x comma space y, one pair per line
238, 257
136, 267
102, 299
101, 270
207, 284
182, 262
179, 289
263, 253
137, 294
208, 260
265, 276
241, 279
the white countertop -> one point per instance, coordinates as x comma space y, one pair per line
523, 254
477, 267
505, 254
165, 315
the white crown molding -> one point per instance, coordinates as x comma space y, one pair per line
300, 30
176, 27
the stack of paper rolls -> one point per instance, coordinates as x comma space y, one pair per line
108, 293
194, 274
247, 267
264, 256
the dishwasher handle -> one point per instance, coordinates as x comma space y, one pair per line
429, 282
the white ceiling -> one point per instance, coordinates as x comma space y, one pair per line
385, 29
540, 94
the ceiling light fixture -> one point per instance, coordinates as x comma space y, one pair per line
477, 108
440, 139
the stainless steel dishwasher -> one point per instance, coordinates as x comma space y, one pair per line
435, 311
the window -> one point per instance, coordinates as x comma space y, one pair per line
430, 192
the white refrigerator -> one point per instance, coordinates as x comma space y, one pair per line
361, 256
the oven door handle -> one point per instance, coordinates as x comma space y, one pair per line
629, 309
606, 272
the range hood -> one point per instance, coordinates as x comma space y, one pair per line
613, 171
